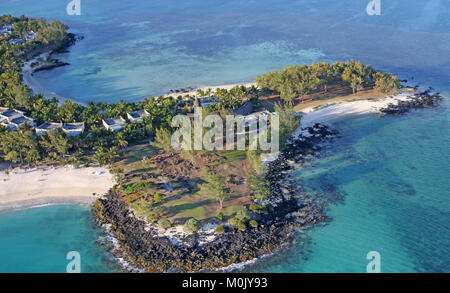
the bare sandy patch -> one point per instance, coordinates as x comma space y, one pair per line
40, 186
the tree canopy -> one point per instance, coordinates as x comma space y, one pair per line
300, 80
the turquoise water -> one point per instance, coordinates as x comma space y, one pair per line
37, 240
386, 179
387, 182
133, 50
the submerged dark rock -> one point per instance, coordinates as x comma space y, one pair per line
421, 100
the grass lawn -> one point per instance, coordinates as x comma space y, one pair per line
185, 200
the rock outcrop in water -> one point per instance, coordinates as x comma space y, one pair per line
290, 209
421, 100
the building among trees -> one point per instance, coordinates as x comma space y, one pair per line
114, 124
137, 115
13, 119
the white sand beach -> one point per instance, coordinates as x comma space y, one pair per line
213, 88
334, 112
26, 188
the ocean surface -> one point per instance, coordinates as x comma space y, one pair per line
37, 240
386, 179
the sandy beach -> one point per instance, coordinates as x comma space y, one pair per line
334, 112
27, 188
213, 88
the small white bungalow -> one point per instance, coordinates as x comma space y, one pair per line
73, 129
14, 119
18, 122
114, 124
11, 114
47, 126
138, 115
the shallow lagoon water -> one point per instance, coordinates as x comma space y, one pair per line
386, 179
37, 240
146, 48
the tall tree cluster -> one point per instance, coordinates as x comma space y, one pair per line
300, 80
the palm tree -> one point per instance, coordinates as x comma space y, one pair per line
121, 141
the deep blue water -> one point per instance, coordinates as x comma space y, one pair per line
386, 179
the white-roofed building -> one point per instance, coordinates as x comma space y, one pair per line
114, 124
47, 126
137, 115
73, 129
13, 119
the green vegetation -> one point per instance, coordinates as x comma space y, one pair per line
243, 214
235, 221
142, 208
164, 223
219, 184
385, 82
219, 216
241, 226
157, 198
25, 147
253, 223
301, 80
136, 187
48, 34
141, 171
162, 140
241, 218
229, 99
255, 176
220, 229
256, 208
289, 121
192, 226
215, 187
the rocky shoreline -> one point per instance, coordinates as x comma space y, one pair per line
419, 100
290, 209
50, 62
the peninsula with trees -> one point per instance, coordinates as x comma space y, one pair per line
182, 210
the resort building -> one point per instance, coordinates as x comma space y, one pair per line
114, 124
73, 129
18, 122
29, 36
6, 29
137, 115
11, 114
14, 119
251, 122
245, 109
2, 109
47, 126
15, 41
